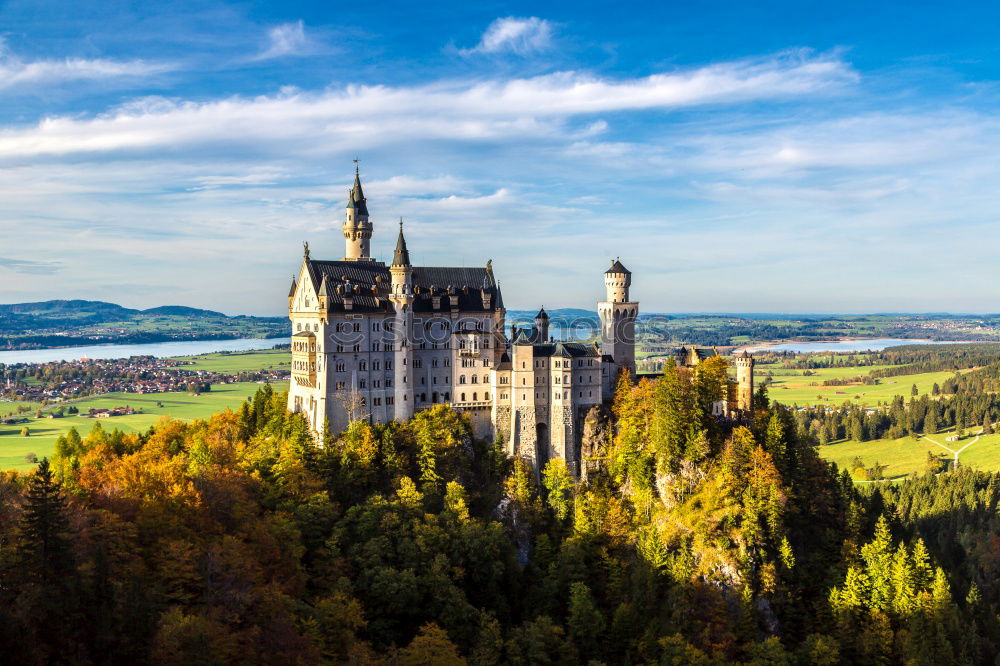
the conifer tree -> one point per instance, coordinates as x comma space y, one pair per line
44, 544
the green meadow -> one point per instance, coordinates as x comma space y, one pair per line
185, 406
798, 389
268, 359
907, 455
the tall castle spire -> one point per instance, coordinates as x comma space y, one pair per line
402, 255
357, 229
356, 199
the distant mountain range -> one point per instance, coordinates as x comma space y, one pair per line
63, 323
98, 308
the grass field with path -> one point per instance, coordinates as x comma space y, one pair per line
808, 390
907, 455
45, 431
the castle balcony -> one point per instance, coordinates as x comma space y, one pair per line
471, 404
304, 358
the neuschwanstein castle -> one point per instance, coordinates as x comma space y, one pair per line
379, 342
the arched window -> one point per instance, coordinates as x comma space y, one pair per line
461, 379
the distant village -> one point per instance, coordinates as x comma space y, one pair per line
55, 382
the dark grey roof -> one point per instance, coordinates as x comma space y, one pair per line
369, 283
564, 349
356, 199
402, 255
291, 292
542, 314
617, 267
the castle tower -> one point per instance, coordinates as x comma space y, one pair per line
744, 381
618, 315
542, 325
401, 295
357, 229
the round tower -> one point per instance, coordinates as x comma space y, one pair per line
744, 381
617, 280
401, 295
542, 325
357, 229
618, 315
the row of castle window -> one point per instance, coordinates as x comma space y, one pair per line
315, 327
475, 397
378, 401
304, 366
299, 346
434, 397
471, 362
475, 379
541, 396
376, 383
556, 380
560, 364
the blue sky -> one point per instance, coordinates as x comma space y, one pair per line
757, 157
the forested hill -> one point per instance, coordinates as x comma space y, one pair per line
61, 323
693, 541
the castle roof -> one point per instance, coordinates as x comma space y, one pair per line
356, 197
542, 314
617, 267
562, 349
291, 292
402, 255
368, 284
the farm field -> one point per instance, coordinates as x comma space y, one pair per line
900, 456
907, 455
45, 431
233, 362
800, 390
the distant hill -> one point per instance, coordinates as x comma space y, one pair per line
63, 307
182, 311
66, 323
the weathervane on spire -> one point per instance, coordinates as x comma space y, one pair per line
356, 160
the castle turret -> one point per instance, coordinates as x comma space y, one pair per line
617, 281
618, 316
542, 325
744, 381
401, 295
357, 229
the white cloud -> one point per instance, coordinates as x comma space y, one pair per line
366, 116
15, 72
522, 36
285, 39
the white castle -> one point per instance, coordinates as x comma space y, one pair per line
378, 342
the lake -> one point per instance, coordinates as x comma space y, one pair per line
161, 349
875, 344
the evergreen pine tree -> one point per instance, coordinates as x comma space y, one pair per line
44, 544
